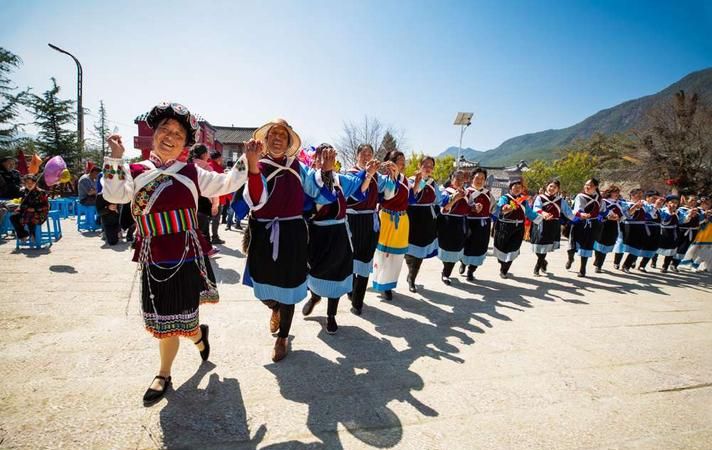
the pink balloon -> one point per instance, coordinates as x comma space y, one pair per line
53, 170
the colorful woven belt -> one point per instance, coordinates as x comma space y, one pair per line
167, 222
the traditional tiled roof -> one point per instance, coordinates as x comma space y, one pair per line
233, 135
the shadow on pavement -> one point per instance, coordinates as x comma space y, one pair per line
210, 417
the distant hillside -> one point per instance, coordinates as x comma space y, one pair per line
628, 115
470, 153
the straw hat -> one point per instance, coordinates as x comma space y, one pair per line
295, 142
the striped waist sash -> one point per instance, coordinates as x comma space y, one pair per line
167, 222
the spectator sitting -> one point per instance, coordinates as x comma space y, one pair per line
109, 213
87, 187
10, 181
33, 209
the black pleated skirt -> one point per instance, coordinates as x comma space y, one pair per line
508, 236
363, 236
451, 232
170, 308
477, 237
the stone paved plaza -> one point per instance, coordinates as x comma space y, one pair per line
557, 362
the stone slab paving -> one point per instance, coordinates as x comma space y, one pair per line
556, 362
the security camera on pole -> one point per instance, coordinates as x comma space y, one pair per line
464, 119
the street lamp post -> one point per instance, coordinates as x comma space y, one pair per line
464, 119
80, 110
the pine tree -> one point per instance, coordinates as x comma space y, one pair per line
10, 99
52, 115
388, 144
101, 128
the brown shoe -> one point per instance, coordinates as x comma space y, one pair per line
280, 349
274, 321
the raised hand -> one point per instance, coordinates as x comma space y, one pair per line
478, 207
328, 159
253, 153
116, 146
372, 167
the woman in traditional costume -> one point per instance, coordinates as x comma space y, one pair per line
546, 236
512, 209
607, 234
422, 215
451, 224
330, 257
163, 190
277, 187
479, 223
670, 218
688, 228
364, 225
654, 202
393, 237
587, 206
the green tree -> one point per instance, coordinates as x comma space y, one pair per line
52, 115
572, 171
444, 166
101, 128
539, 173
10, 100
388, 144
413, 164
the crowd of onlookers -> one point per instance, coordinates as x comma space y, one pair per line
25, 198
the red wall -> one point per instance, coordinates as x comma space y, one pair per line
144, 140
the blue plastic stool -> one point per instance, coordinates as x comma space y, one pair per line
55, 224
86, 218
6, 226
60, 205
42, 238
71, 205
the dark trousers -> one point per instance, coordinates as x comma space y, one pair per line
286, 313
215, 223
111, 233
20, 230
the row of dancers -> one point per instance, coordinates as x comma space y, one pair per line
314, 229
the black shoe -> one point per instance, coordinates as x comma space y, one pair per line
355, 311
598, 270
217, 240
331, 326
664, 270
626, 269
228, 228
205, 353
503, 275
470, 277
411, 285
674, 269
152, 396
544, 265
536, 272
569, 263
388, 295
310, 304
446, 280
462, 269
616, 266
642, 269
581, 274
238, 226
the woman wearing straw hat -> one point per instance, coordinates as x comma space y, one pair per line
277, 243
175, 272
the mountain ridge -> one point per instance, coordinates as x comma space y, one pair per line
620, 118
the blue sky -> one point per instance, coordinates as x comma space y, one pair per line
520, 66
